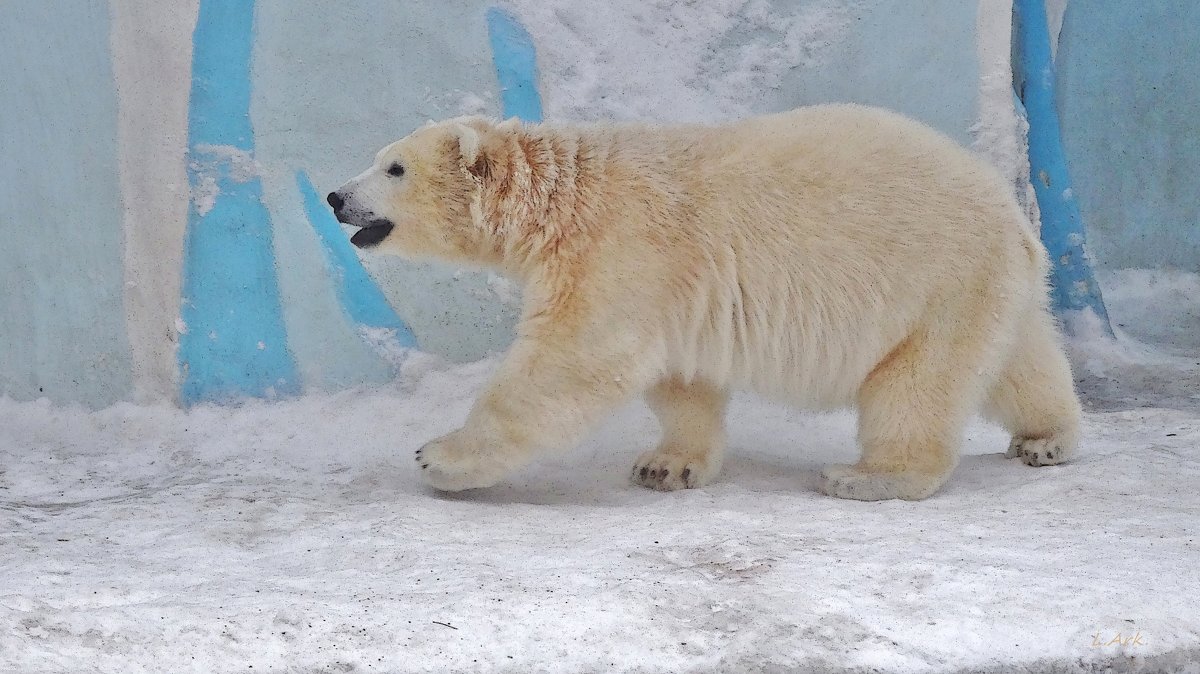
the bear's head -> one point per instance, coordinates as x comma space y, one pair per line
422, 195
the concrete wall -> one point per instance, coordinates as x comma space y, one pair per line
116, 199
330, 89
915, 58
1128, 100
62, 319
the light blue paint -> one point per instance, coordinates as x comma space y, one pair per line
360, 297
62, 316
234, 344
1129, 96
516, 65
1074, 285
330, 352
917, 58
330, 89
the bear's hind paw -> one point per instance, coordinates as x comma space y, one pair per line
852, 482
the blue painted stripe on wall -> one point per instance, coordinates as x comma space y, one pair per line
1074, 285
220, 98
360, 297
234, 343
516, 65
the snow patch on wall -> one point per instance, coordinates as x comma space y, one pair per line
669, 60
1001, 132
210, 164
1055, 11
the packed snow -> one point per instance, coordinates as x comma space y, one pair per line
295, 536
1156, 361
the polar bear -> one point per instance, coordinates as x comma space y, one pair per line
832, 256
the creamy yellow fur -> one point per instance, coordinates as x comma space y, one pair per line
830, 256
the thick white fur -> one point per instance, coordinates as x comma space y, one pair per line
830, 256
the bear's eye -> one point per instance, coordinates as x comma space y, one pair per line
395, 170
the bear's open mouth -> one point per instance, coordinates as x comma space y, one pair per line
372, 234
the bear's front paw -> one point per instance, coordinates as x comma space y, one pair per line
1041, 451
668, 471
455, 462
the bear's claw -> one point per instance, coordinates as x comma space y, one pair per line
1039, 451
667, 471
453, 463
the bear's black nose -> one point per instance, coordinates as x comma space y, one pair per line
336, 201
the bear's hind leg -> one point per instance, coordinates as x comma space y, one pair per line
1034, 398
692, 418
912, 410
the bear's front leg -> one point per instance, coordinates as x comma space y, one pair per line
466, 459
546, 394
693, 439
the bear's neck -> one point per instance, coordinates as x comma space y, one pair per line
542, 194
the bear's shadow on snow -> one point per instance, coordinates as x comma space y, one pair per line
586, 482
772, 449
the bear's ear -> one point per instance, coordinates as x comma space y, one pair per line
470, 149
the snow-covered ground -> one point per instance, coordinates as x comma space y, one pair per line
1156, 361
295, 536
